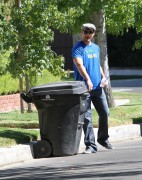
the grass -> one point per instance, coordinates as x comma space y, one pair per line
17, 120
13, 136
131, 112
17, 128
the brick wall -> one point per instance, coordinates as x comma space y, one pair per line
10, 103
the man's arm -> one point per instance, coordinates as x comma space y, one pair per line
79, 64
102, 72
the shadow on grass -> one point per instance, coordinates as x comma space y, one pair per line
138, 121
26, 125
20, 137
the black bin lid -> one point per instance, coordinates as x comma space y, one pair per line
65, 87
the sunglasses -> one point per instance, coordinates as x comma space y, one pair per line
88, 32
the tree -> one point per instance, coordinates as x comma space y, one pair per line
31, 29
101, 40
121, 15
32, 26
28, 29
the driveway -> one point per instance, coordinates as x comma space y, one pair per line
132, 85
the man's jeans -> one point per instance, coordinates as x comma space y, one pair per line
99, 101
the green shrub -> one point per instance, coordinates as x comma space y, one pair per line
45, 78
4, 61
10, 85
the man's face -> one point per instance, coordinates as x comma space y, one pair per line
87, 35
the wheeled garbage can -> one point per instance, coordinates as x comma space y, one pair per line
61, 109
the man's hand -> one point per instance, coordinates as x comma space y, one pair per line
104, 82
90, 85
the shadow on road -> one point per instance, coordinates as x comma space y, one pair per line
76, 172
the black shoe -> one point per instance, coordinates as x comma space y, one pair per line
106, 144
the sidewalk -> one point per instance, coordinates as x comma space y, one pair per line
23, 152
125, 71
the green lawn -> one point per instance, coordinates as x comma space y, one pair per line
13, 136
126, 114
17, 120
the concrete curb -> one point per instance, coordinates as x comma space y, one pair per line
118, 133
23, 152
15, 154
124, 132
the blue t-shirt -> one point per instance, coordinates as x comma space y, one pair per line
90, 55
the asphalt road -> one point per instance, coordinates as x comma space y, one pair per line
131, 85
124, 162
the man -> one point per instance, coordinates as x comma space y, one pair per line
86, 58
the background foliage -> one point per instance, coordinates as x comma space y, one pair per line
30, 28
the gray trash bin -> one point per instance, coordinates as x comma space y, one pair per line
61, 107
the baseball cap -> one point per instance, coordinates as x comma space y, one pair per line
88, 26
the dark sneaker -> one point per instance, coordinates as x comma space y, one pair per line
106, 144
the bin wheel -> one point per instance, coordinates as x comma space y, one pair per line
42, 149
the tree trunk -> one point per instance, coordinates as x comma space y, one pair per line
20, 80
101, 40
18, 4
21, 90
27, 89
